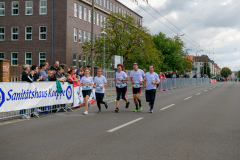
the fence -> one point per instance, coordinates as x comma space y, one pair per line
110, 95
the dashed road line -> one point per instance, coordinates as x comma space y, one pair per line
198, 94
124, 125
205, 90
187, 98
167, 107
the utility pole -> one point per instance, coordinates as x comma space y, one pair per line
92, 40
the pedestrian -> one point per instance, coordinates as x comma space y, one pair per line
99, 84
137, 76
121, 87
58, 75
34, 73
72, 73
87, 85
42, 72
80, 71
151, 80
55, 66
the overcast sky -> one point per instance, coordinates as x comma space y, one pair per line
213, 24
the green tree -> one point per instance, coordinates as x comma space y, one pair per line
205, 71
125, 37
238, 74
226, 72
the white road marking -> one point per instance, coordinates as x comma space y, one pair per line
167, 107
210, 88
205, 91
198, 94
187, 98
124, 125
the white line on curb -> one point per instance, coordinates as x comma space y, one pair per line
124, 125
167, 107
198, 94
187, 98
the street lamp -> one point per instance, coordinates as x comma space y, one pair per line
104, 33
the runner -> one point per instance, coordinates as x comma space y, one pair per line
99, 83
87, 85
151, 80
137, 77
121, 87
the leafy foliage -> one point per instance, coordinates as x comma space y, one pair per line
226, 72
205, 71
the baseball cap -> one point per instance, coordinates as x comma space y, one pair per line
135, 64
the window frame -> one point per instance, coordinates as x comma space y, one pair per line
28, 7
75, 30
14, 34
3, 34
84, 61
42, 33
94, 18
97, 19
89, 37
85, 14
80, 12
15, 8
42, 59
3, 55
108, 5
90, 16
104, 3
114, 9
111, 6
89, 60
79, 36
79, 59
101, 20
40, 7
84, 36
28, 59
28, 33
101, 4
75, 60
3, 8
75, 11
14, 59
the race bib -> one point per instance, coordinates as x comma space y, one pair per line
137, 85
87, 87
120, 85
98, 85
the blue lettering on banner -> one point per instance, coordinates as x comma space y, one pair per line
2, 97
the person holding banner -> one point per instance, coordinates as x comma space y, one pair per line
137, 77
99, 84
87, 85
121, 87
151, 80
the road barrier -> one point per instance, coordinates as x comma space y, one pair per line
25, 99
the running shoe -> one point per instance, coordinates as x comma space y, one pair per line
85, 113
106, 105
151, 111
99, 111
136, 110
127, 105
140, 108
117, 110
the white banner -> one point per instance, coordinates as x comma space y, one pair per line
78, 96
17, 96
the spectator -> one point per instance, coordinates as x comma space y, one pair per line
195, 76
144, 70
43, 68
24, 75
34, 73
72, 74
69, 79
80, 71
177, 74
89, 68
58, 75
46, 70
55, 66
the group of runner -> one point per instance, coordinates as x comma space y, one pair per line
137, 77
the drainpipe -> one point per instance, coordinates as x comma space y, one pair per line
52, 34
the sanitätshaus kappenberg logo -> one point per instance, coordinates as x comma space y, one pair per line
2, 97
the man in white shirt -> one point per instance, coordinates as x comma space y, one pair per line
137, 77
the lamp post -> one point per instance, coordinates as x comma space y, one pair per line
103, 33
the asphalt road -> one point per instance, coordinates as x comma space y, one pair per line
194, 123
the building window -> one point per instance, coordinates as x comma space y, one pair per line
104, 22
14, 59
43, 7
15, 8
74, 60
84, 61
79, 60
28, 58
114, 8
107, 4
75, 35
104, 3
120, 10
14, 33
97, 19
196, 63
42, 33
1, 55
28, 33
85, 36
101, 2
80, 12
111, 7
97, 1
89, 37
101, 22
89, 60
80, 36
94, 18
42, 57
2, 8
85, 14
29, 7
75, 9
2, 33
90, 16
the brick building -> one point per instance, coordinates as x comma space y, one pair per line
34, 31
